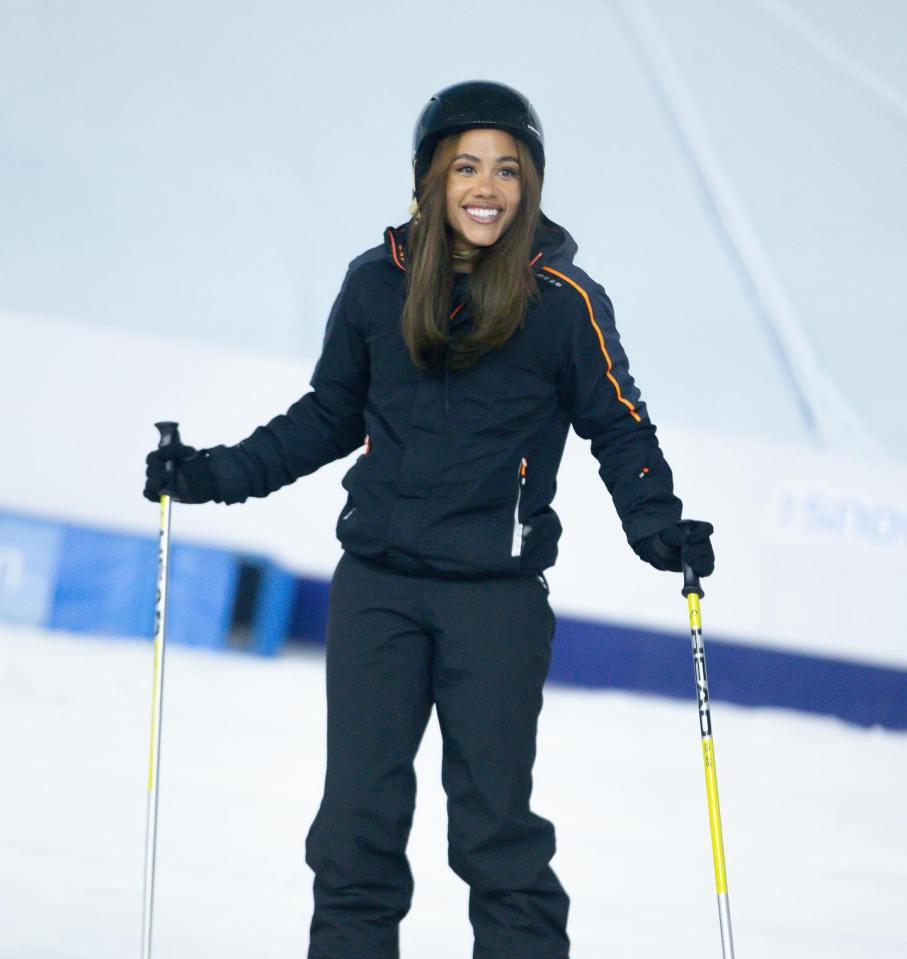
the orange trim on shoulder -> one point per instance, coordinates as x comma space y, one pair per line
601, 341
394, 249
457, 310
536, 258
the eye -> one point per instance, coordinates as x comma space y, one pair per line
464, 168
510, 171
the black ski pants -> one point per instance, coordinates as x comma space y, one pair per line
479, 651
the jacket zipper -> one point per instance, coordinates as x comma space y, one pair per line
516, 546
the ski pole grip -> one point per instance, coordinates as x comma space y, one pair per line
691, 582
170, 436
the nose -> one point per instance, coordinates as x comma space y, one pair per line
484, 184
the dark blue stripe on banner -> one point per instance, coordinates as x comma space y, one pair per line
603, 656
599, 655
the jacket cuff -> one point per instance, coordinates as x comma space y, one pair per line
229, 477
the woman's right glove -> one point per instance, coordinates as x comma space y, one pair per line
684, 542
182, 472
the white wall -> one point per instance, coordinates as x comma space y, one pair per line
206, 171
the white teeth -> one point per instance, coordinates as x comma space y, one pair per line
483, 212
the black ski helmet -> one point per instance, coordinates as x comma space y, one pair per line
475, 103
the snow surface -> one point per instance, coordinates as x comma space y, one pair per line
815, 831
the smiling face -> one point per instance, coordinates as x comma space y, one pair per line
483, 188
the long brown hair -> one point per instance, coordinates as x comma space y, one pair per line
501, 283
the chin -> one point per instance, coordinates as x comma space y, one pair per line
482, 237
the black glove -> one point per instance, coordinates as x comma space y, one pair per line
191, 479
684, 542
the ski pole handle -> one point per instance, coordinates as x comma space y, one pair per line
170, 436
691, 582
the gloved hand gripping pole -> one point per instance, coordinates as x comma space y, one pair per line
693, 592
169, 435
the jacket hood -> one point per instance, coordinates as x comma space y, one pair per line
551, 242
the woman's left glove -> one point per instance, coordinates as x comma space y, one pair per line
684, 542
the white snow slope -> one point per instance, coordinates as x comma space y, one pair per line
815, 830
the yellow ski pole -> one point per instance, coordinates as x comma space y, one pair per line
693, 592
169, 435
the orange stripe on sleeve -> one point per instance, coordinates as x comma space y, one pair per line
601, 341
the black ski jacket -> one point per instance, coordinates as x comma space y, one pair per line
458, 470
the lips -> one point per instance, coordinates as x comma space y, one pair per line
482, 214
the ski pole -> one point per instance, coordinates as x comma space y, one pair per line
693, 592
169, 435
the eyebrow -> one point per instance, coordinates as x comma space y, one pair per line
475, 159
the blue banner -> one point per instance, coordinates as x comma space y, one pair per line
29, 556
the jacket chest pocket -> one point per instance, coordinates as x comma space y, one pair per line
516, 545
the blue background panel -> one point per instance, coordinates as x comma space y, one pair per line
309, 618
202, 591
105, 583
273, 609
29, 555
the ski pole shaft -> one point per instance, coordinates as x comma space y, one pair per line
692, 590
169, 434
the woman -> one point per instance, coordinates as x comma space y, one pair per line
459, 351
